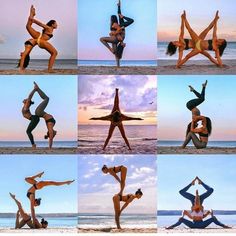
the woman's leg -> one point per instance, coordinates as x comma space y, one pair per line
183, 192
122, 131
208, 192
197, 143
213, 219
106, 40
33, 123
111, 129
31, 179
122, 179
41, 107
116, 101
181, 220
192, 33
34, 34
42, 184
116, 202
126, 23
195, 102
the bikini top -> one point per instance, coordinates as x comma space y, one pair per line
210, 47
114, 168
49, 35
203, 135
128, 197
186, 44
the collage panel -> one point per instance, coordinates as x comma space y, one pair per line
40, 114
196, 118
39, 194
117, 194
38, 37
118, 38
117, 114
196, 194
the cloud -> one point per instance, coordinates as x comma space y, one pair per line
141, 173
91, 173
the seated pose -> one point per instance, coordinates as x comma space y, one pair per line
50, 121
26, 218
127, 199
197, 43
39, 185
116, 118
40, 39
34, 119
113, 171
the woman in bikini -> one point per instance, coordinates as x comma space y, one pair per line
50, 121
39, 185
26, 218
113, 172
40, 39
127, 199
116, 118
197, 43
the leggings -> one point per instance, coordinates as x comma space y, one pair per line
197, 224
41, 107
122, 21
113, 40
197, 101
33, 123
191, 197
197, 143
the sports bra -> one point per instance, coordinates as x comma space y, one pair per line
186, 44
203, 135
128, 197
210, 45
114, 168
49, 35
197, 214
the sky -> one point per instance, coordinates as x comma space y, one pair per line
62, 105
13, 34
199, 14
97, 189
174, 93
94, 23
177, 171
61, 199
96, 97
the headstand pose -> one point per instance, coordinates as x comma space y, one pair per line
116, 118
40, 39
50, 121
39, 185
127, 199
113, 171
26, 218
34, 119
197, 43
117, 34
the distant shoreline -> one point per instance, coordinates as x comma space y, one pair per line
40, 72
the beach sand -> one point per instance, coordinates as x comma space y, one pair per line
197, 231
112, 70
115, 230
193, 150
39, 231
194, 67
40, 72
28, 150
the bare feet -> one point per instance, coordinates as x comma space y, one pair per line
191, 88
40, 174
34, 146
12, 195
32, 12
205, 84
70, 182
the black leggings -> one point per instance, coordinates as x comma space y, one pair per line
34, 120
197, 101
122, 21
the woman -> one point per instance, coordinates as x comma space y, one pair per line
197, 43
50, 121
40, 39
113, 171
34, 119
39, 185
127, 199
26, 218
116, 118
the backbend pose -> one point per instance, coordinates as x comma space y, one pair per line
113, 171
39, 185
116, 118
40, 39
117, 34
34, 119
197, 43
127, 199
50, 121
26, 218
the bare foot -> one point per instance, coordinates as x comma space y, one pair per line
36, 85
12, 195
32, 12
22, 71
40, 174
191, 88
34, 146
205, 84
70, 182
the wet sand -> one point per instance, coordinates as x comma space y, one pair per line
115, 230
39, 231
40, 72
197, 231
195, 67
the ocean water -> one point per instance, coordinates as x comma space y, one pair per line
39, 64
108, 220
222, 144
95, 135
57, 144
229, 53
113, 63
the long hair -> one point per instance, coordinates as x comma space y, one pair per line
26, 62
51, 22
208, 125
222, 47
113, 20
171, 49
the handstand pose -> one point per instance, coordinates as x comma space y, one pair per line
26, 219
127, 199
50, 121
39, 185
116, 118
113, 171
40, 39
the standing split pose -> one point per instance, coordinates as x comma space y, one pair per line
197, 43
116, 118
26, 218
127, 199
113, 171
40, 39
39, 185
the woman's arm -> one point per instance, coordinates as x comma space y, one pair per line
101, 118
214, 40
206, 214
124, 117
115, 176
40, 24
126, 204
